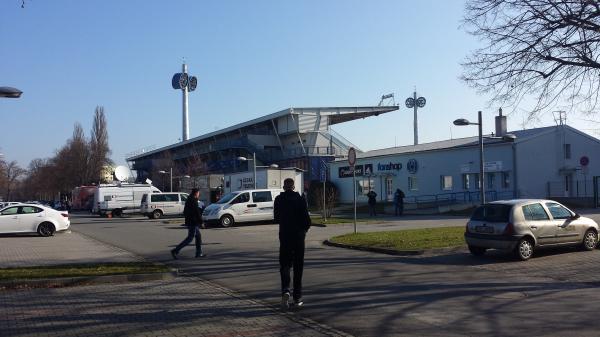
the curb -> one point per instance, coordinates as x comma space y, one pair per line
61, 282
393, 251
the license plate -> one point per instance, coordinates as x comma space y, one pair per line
484, 229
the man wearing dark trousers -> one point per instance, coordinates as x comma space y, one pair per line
291, 214
193, 219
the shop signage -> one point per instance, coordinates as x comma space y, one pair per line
346, 171
389, 166
412, 166
493, 166
246, 183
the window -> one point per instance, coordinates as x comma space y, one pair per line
491, 181
30, 210
505, 180
492, 213
184, 197
264, 196
171, 198
535, 212
413, 184
477, 181
364, 186
243, 197
10, 211
558, 211
158, 198
446, 183
567, 151
107, 197
466, 181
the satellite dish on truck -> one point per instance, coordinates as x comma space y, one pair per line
122, 173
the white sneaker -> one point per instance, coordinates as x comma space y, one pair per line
298, 303
285, 301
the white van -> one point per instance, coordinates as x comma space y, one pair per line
120, 198
155, 205
242, 206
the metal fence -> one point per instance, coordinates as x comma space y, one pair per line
572, 189
435, 200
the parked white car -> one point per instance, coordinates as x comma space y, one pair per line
32, 218
155, 205
242, 206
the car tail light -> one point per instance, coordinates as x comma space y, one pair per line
66, 215
509, 229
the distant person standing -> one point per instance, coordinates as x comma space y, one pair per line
193, 219
399, 202
372, 202
291, 214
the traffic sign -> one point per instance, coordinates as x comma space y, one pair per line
352, 156
584, 161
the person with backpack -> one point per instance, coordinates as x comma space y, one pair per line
291, 213
399, 202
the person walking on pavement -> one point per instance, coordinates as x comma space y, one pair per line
399, 202
372, 202
193, 219
291, 214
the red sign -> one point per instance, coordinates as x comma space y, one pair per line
351, 156
584, 161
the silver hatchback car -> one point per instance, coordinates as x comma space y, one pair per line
523, 225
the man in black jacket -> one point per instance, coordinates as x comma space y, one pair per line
193, 219
291, 214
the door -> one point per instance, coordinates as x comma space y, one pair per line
242, 208
9, 220
538, 221
567, 229
389, 188
264, 205
30, 217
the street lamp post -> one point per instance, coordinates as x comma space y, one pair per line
507, 137
171, 176
9, 92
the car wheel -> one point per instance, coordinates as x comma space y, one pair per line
117, 213
590, 240
227, 221
524, 249
156, 214
477, 251
46, 229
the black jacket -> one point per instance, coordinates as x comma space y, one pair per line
291, 214
192, 213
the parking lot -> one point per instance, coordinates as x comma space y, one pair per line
369, 294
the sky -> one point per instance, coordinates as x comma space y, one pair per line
251, 58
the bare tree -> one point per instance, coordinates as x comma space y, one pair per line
545, 49
11, 173
99, 148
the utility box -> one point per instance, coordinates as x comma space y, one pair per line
270, 178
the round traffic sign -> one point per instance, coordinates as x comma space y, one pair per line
351, 156
584, 161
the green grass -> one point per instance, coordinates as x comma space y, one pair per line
411, 239
318, 220
76, 270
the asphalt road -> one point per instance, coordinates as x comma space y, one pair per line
367, 294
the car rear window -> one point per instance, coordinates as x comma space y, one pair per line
492, 213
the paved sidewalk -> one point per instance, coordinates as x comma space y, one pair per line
187, 306
62, 248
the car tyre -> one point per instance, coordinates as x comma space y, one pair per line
46, 229
524, 249
156, 214
226, 221
590, 240
117, 213
477, 251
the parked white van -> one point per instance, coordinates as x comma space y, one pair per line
242, 206
156, 205
120, 198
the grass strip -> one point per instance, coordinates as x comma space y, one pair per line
78, 270
410, 239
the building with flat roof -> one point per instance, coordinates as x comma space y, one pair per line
294, 137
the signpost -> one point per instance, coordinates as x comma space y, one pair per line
352, 162
324, 179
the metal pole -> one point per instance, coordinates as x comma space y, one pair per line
324, 216
416, 132
171, 185
254, 162
184, 91
354, 183
481, 171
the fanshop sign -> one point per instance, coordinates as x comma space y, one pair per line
389, 166
346, 171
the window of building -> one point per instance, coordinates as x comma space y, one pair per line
446, 183
567, 151
477, 181
364, 186
466, 181
491, 181
505, 180
412, 183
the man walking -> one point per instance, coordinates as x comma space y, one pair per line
372, 203
291, 214
399, 202
193, 219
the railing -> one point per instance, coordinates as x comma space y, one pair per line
341, 141
435, 200
574, 189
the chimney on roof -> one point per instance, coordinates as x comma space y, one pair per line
500, 124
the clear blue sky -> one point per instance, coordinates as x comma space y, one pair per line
251, 58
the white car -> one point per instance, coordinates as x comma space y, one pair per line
242, 206
32, 218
